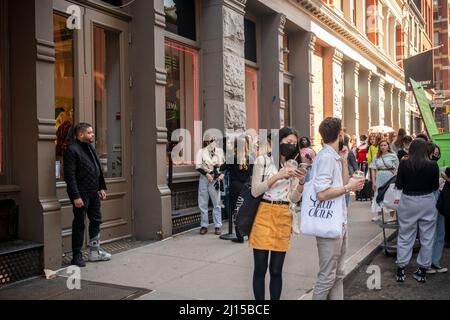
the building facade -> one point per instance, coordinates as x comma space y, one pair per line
141, 72
442, 63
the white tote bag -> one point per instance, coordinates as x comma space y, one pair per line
392, 198
321, 218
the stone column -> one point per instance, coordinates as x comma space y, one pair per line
302, 52
33, 130
403, 120
408, 112
361, 14
351, 94
392, 38
386, 35
151, 196
388, 104
365, 77
377, 101
396, 109
272, 93
348, 10
223, 64
333, 86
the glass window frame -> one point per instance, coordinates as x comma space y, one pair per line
257, 42
187, 41
187, 48
119, 115
83, 69
251, 68
289, 80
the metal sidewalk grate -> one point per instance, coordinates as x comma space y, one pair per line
57, 289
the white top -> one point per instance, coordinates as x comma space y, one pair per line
280, 190
207, 160
327, 173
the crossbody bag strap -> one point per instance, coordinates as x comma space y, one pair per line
264, 170
390, 169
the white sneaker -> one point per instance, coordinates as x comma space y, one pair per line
99, 255
431, 271
439, 269
376, 219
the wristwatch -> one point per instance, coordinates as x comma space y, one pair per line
346, 189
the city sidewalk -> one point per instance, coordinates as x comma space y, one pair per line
190, 266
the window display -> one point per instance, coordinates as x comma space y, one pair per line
64, 88
181, 92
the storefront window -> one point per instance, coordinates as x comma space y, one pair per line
180, 17
250, 40
108, 113
286, 52
251, 98
181, 93
287, 104
64, 87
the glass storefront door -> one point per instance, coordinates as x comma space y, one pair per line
91, 85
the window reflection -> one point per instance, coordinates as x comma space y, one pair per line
251, 98
181, 93
108, 116
64, 87
180, 17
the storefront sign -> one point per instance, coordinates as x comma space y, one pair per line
424, 107
419, 68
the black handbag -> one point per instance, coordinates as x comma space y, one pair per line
247, 207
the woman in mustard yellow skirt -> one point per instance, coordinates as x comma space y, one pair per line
272, 228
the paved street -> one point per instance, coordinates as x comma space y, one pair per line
190, 266
437, 286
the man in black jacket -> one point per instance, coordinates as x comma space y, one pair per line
86, 188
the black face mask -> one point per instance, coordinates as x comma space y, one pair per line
434, 158
288, 150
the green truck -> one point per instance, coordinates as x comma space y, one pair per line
441, 139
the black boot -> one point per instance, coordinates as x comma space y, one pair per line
77, 260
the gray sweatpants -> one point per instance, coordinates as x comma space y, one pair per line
416, 212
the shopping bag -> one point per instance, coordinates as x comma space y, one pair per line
247, 207
392, 198
321, 218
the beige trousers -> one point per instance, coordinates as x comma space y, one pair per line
330, 280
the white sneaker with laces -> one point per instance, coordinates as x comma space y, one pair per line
439, 269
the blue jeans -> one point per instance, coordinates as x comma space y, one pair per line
439, 238
347, 199
205, 191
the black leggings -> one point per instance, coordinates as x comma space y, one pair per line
261, 258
